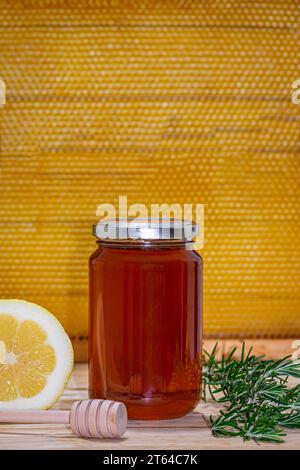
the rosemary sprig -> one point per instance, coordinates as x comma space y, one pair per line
258, 404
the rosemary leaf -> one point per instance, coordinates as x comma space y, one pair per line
258, 403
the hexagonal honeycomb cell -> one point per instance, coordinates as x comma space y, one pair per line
186, 102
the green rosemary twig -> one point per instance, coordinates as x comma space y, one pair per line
258, 403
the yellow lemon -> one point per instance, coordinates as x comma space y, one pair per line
36, 356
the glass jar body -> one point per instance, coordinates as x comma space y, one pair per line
145, 329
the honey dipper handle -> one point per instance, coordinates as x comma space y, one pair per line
34, 416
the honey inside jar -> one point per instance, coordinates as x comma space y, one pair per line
145, 325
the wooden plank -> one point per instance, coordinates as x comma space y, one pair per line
80, 347
120, 97
189, 432
271, 348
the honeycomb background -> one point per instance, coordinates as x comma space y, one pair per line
163, 101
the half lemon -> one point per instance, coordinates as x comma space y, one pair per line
36, 356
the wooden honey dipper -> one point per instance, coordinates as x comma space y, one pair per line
88, 418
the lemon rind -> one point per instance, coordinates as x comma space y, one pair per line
57, 338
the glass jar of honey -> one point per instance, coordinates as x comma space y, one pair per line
146, 317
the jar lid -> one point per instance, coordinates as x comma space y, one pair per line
143, 229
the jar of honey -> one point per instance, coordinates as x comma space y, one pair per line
146, 317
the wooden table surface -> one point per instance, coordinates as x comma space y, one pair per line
189, 432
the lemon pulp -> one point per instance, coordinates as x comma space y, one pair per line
36, 356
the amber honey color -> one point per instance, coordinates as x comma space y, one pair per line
145, 328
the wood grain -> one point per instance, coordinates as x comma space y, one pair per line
189, 432
271, 348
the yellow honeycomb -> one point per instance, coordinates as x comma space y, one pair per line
163, 101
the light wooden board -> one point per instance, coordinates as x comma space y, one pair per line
189, 432
170, 101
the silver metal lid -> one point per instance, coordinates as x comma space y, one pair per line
144, 229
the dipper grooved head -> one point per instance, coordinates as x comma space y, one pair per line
98, 419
